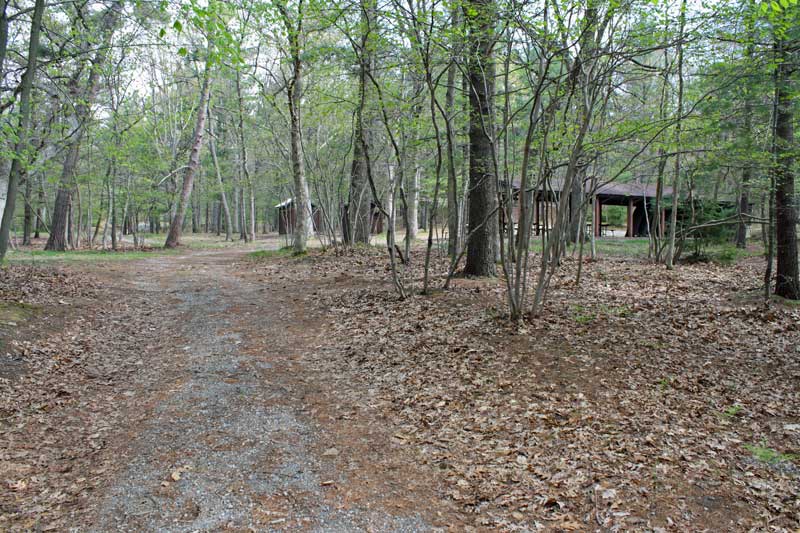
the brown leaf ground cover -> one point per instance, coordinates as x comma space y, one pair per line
643, 399
67, 366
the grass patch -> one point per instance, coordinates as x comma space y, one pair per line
731, 412
286, 251
768, 455
784, 301
12, 313
581, 315
88, 256
627, 247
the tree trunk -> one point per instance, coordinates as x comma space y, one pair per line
27, 225
415, 176
302, 202
359, 211
3, 36
452, 179
251, 223
483, 219
24, 124
676, 184
175, 228
212, 146
39, 210
787, 282
83, 110
747, 171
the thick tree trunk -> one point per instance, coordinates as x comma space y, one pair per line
83, 110
24, 125
176, 226
787, 282
483, 218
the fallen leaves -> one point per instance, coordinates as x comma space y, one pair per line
607, 410
59, 402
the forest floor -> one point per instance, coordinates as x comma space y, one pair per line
217, 389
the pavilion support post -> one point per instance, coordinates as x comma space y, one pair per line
597, 219
629, 232
536, 213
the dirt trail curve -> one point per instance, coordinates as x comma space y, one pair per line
225, 432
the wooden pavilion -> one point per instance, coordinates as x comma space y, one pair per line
637, 197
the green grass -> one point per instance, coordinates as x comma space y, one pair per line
45, 256
260, 255
635, 247
608, 246
13, 312
768, 455
582, 315
732, 411
723, 254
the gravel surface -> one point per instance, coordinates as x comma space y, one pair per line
227, 443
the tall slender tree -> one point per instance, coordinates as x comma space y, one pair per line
19, 162
176, 226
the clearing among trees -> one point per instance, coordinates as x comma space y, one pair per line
399, 265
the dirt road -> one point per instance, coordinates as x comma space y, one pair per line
214, 424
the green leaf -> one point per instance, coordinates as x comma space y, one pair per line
178, 26
182, 51
162, 33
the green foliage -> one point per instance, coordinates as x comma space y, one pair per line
707, 231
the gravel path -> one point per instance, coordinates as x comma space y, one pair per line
228, 442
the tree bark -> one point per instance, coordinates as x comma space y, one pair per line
452, 179
212, 146
676, 184
24, 125
176, 226
787, 281
83, 110
359, 210
302, 202
250, 232
483, 222
27, 225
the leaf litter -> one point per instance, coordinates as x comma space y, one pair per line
632, 403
